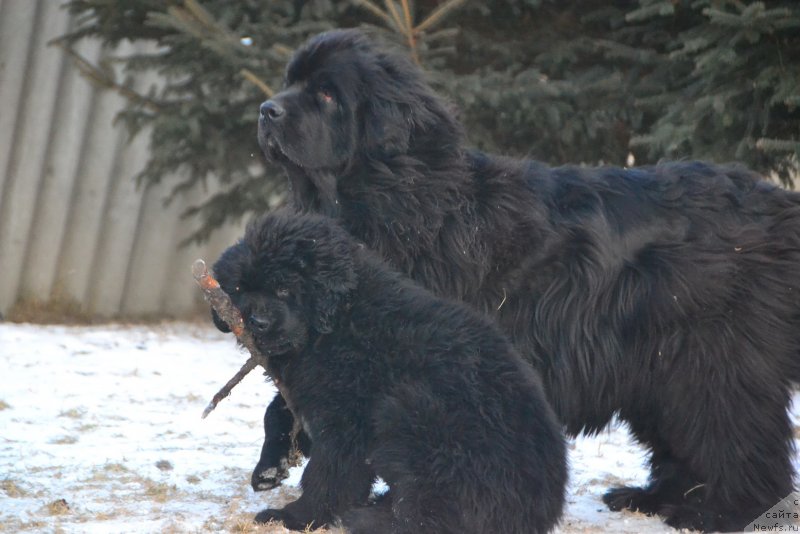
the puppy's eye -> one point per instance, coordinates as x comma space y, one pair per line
282, 293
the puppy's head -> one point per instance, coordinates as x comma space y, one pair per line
289, 277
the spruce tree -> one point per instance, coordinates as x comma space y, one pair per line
729, 83
574, 81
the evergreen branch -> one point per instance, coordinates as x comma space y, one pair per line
748, 17
438, 15
407, 14
404, 24
283, 50
398, 22
181, 20
409, 31
375, 10
203, 16
792, 101
778, 145
442, 35
197, 13
660, 9
618, 50
254, 194
197, 22
258, 82
101, 78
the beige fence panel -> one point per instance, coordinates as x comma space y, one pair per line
73, 224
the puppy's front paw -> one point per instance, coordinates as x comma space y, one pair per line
288, 520
266, 477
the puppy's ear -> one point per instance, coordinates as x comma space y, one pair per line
332, 289
303, 254
327, 306
219, 323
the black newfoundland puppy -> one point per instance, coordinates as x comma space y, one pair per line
669, 295
390, 380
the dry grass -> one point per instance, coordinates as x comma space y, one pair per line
60, 308
100, 476
158, 491
193, 479
73, 413
242, 523
64, 440
57, 507
164, 465
190, 398
12, 524
115, 468
12, 489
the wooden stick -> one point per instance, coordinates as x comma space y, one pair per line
222, 304
248, 366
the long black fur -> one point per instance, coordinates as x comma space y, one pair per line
389, 380
669, 294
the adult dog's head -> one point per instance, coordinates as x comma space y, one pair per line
346, 100
289, 277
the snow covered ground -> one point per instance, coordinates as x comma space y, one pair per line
100, 431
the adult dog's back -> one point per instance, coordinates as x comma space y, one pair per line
667, 294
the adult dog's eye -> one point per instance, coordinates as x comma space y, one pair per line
282, 293
326, 95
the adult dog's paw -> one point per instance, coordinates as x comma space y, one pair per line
704, 520
266, 477
633, 499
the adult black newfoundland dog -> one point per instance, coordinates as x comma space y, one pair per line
390, 380
669, 295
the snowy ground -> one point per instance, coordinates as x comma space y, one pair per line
100, 431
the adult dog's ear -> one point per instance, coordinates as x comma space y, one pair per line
387, 127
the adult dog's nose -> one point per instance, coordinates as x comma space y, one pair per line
259, 323
271, 110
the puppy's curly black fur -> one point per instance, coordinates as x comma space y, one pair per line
389, 380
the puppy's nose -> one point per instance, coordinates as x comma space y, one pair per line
271, 110
259, 323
